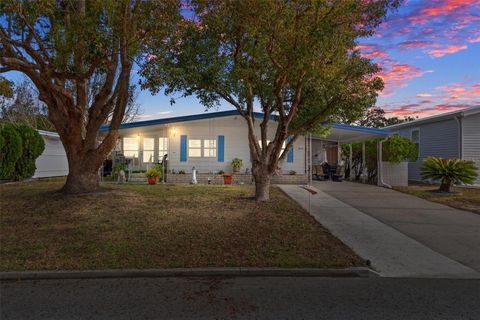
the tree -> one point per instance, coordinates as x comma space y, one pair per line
24, 108
294, 60
376, 118
80, 55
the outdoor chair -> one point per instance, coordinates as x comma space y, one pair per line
319, 172
340, 174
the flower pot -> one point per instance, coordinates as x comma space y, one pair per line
152, 180
227, 179
236, 170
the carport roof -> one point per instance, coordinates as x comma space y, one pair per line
338, 132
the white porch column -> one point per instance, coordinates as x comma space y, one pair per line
350, 159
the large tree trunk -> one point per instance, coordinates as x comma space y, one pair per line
262, 178
83, 174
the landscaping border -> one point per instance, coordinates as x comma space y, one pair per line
357, 272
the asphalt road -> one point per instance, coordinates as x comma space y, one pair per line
241, 298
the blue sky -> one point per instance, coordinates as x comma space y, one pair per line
429, 52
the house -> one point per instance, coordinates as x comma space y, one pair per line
53, 160
209, 142
448, 135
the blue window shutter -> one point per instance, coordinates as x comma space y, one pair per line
183, 148
290, 152
221, 148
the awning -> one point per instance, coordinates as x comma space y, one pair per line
345, 133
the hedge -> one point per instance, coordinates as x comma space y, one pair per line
20, 146
10, 150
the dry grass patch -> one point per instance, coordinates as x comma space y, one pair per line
468, 199
141, 226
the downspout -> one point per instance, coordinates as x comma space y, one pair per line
381, 183
458, 119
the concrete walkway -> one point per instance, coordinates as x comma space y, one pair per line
391, 252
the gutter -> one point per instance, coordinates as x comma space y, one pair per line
381, 183
459, 121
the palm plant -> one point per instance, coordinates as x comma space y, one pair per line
449, 171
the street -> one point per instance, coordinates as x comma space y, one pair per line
241, 298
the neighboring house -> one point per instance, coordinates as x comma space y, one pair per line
53, 160
210, 141
449, 135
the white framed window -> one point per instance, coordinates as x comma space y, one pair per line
162, 147
194, 148
148, 149
130, 147
415, 137
284, 145
209, 148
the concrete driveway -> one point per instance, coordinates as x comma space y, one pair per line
448, 231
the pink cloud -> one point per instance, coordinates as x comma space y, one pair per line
414, 110
371, 51
415, 44
474, 40
440, 8
437, 53
397, 75
424, 95
460, 92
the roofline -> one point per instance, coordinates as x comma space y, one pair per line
258, 115
438, 117
378, 131
48, 133
193, 117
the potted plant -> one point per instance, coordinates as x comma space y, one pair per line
152, 175
227, 178
237, 164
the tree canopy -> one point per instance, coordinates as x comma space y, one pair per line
80, 56
293, 60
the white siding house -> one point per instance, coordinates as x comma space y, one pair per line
53, 160
449, 135
210, 141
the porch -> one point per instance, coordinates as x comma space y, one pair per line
325, 159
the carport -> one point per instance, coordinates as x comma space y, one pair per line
326, 149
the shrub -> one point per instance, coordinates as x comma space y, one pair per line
159, 167
10, 150
153, 173
449, 171
32, 147
397, 149
116, 168
237, 163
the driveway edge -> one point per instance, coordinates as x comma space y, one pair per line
358, 272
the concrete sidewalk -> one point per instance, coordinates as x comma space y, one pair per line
392, 253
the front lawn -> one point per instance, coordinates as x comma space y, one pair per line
141, 226
469, 199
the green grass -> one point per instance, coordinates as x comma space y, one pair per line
162, 226
468, 199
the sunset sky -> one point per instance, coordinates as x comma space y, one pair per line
429, 51
430, 54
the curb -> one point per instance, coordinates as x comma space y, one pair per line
360, 272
